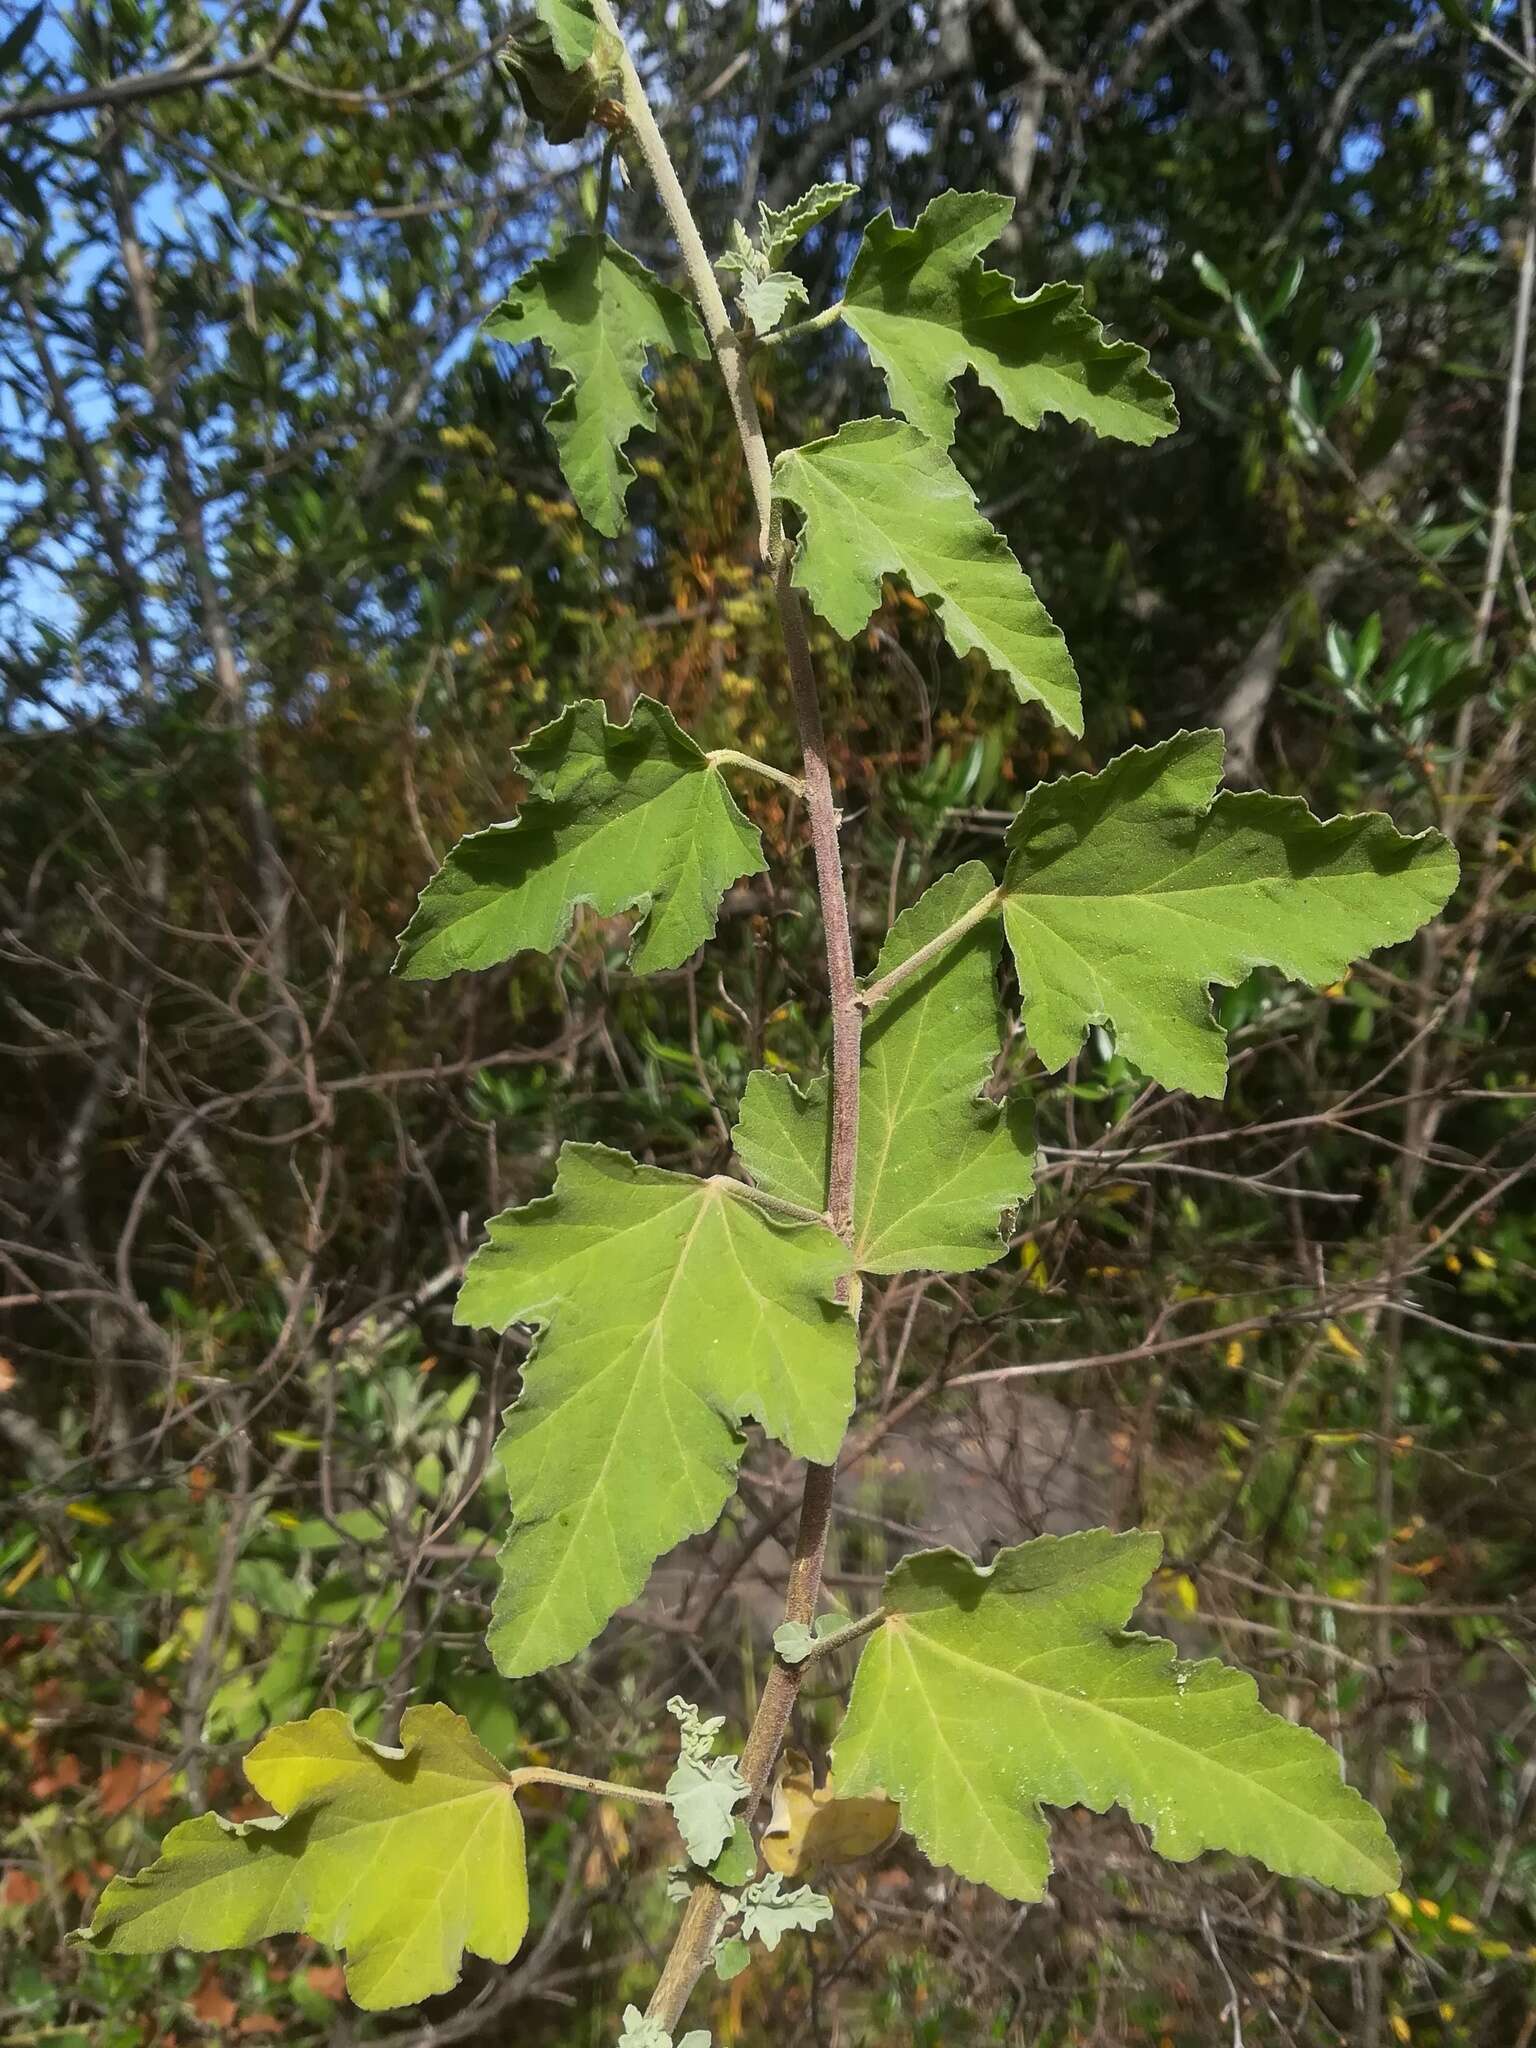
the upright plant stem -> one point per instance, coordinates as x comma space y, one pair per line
699, 1927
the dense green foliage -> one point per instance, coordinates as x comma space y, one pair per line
250, 1445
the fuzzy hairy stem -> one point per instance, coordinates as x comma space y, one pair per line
853, 1633
699, 1927
577, 1781
774, 1204
728, 757
827, 317
914, 963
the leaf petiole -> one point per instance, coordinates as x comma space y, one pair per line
817, 321
728, 757
775, 1203
575, 1781
914, 963
825, 1646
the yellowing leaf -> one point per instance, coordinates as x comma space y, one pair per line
1180, 1588
810, 1828
402, 1857
1344, 1345
25, 1574
1035, 1270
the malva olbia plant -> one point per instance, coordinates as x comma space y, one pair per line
670, 1309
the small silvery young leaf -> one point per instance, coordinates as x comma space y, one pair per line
1128, 893
702, 1797
927, 308
741, 259
768, 1912
764, 299
696, 1736
730, 1957
938, 1167
795, 1642
704, 1788
368, 1831
621, 817
994, 1690
782, 231
679, 1883
598, 311
639, 2032
670, 1309
880, 499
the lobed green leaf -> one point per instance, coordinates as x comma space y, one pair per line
990, 1691
671, 1308
928, 309
879, 498
783, 231
938, 1167
598, 311
619, 817
765, 300
1129, 893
